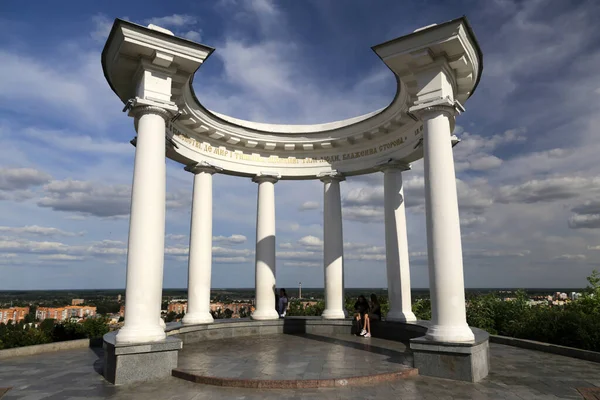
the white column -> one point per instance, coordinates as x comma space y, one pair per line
200, 259
265, 249
333, 248
145, 254
444, 248
396, 245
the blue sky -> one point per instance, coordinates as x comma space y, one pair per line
527, 164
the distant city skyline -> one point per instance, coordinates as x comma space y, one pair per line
527, 165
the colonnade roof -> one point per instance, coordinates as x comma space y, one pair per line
151, 64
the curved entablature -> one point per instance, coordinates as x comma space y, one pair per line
150, 65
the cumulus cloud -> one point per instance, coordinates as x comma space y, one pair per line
97, 199
38, 231
309, 205
470, 221
586, 215
311, 242
302, 264
571, 257
175, 20
21, 178
475, 152
101, 28
232, 239
60, 257
578, 221
546, 190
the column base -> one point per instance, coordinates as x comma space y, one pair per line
453, 360
261, 315
457, 333
333, 314
400, 316
162, 324
130, 335
196, 319
139, 362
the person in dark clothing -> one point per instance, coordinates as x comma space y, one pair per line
373, 315
361, 310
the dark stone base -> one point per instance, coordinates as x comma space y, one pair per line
128, 363
458, 361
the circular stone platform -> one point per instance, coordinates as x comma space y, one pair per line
294, 361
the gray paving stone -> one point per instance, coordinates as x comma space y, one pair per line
516, 374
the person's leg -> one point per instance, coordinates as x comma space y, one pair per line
363, 324
369, 325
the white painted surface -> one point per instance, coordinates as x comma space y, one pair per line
333, 251
145, 254
396, 246
265, 249
444, 249
200, 258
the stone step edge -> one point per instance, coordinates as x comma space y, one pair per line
294, 383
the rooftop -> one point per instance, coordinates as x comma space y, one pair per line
515, 374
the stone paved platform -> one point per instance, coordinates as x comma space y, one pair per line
516, 374
306, 360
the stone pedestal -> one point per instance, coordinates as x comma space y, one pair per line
129, 363
460, 361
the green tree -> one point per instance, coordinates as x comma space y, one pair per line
47, 325
95, 327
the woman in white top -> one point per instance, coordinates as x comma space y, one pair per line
283, 303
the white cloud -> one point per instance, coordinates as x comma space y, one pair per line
97, 199
470, 221
175, 20
311, 242
22, 178
578, 221
38, 230
195, 36
60, 257
309, 205
102, 25
302, 264
546, 190
233, 239
573, 257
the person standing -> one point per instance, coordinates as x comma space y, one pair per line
283, 303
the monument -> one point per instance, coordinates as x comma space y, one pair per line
437, 69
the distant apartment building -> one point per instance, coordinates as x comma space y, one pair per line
14, 314
76, 302
62, 314
177, 308
55, 313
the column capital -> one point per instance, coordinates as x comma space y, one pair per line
441, 105
394, 165
202, 167
138, 107
266, 177
327, 177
